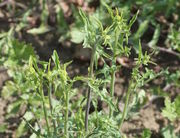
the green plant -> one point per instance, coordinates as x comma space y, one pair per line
89, 41
115, 37
172, 112
173, 40
52, 104
15, 56
146, 133
57, 81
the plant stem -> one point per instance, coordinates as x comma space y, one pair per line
44, 108
89, 89
112, 90
51, 107
113, 77
126, 104
66, 115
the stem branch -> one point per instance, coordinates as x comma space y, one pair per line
89, 89
126, 104
51, 107
112, 89
66, 115
113, 77
44, 108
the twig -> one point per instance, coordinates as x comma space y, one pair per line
4, 3
169, 51
13, 2
152, 99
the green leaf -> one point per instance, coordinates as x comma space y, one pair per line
37, 132
110, 11
55, 58
77, 36
146, 133
141, 30
21, 129
155, 38
19, 53
133, 19
177, 105
28, 116
14, 107
3, 127
9, 89
140, 51
84, 18
141, 96
169, 111
25, 96
168, 132
41, 30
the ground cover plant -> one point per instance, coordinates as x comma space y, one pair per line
109, 77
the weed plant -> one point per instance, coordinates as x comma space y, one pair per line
58, 108
47, 92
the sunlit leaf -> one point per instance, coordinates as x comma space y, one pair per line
40, 30
155, 38
146, 133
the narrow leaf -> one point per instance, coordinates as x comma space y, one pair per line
133, 19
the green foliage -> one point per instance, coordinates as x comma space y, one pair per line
40, 30
76, 36
171, 110
168, 132
115, 37
14, 52
19, 53
173, 78
58, 79
3, 127
105, 126
173, 39
47, 92
146, 133
155, 38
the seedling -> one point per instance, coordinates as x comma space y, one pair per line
113, 37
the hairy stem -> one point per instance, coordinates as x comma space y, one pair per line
44, 108
66, 115
126, 104
89, 89
113, 77
112, 90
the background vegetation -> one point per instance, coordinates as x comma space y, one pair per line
90, 68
